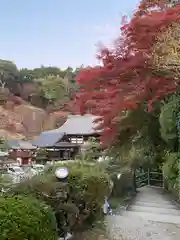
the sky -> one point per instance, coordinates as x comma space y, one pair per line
59, 33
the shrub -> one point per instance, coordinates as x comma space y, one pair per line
171, 172
121, 186
124, 185
90, 151
87, 186
45, 188
26, 218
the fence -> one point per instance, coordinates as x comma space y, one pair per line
150, 178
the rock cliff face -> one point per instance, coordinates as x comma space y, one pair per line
18, 119
55, 120
32, 119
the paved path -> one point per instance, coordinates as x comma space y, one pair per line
152, 216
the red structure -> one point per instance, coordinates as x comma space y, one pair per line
21, 151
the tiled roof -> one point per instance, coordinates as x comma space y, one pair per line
75, 125
79, 125
16, 144
48, 138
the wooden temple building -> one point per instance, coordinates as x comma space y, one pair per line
22, 152
65, 142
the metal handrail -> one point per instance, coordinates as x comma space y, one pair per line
159, 180
156, 173
140, 176
143, 180
151, 177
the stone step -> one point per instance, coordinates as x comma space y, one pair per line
163, 218
155, 210
167, 205
153, 193
160, 198
153, 200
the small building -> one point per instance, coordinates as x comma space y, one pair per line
57, 145
21, 151
65, 142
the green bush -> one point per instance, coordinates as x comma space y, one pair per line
26, 218
121, 186
87, 186
171, 169
45, 188
124, 185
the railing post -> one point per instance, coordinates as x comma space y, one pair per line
148, 177
163, 179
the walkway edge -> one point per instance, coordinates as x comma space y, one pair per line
173, 199
130, 201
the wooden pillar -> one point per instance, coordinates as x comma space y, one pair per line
163, 179
148, 176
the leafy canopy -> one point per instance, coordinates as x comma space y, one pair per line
128, 77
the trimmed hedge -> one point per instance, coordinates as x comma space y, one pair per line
26, 218
87, 186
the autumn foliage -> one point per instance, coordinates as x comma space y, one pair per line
146, 6
127, 77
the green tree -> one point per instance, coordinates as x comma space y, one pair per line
168, 121
90, 151
42, 72
70, 86
9, 76
52, 88
26, 75
45, 86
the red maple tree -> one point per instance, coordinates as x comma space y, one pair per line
126, 78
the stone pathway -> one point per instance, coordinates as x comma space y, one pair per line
151, 216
